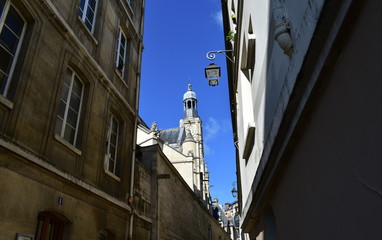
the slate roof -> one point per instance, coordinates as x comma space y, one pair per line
173, 136
219, 215
142, 122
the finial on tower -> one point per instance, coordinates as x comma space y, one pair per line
189, 87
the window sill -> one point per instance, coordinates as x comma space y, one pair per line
6, 102
89, 33
115, 177
68, 145
118, 73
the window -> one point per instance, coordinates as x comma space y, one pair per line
248, 52
12, 28
69, 110
87, 13
249, 140
121, 53
49, 227
112, 145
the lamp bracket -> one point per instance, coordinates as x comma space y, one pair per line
211, 54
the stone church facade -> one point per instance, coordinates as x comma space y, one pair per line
188, 140
183, 146
176, 189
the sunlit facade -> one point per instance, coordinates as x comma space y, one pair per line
68, 116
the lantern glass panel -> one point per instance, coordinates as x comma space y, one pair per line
212, 73
213, 82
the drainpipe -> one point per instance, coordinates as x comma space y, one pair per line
131, 197
131, 194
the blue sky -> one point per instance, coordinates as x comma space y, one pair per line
177, 36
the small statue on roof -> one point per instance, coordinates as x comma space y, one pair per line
153, 127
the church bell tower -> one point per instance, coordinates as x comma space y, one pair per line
193, 143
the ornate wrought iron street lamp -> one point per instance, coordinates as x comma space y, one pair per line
234, 192
212, 71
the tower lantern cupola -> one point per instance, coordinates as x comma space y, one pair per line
190, 103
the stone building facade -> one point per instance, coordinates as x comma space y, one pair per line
69, 76
175, 187
177, 212
228, 217
304, 89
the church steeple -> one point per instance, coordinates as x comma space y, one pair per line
192, 145
190, 103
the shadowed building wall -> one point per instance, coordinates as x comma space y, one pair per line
306, 117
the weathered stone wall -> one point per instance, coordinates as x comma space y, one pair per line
37, 165
177, 212
54, 46
142, 202
26, 190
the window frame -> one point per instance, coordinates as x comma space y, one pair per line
67, 102
118, 53
84, 12
112, 119
7, 6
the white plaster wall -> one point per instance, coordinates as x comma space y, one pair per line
182, 163
245, 111
248, 109
265, 98
141, 135
145, 138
